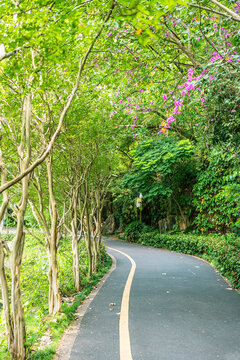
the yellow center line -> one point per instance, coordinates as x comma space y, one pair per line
125, 345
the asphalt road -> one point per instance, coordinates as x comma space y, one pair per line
179, 309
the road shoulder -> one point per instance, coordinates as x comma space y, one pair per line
70, 334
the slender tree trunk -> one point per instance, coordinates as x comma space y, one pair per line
19, 332
54, 300
54, 295
185, 219
3, 280
75, 246
88, 242
76, 269
24, 152
6, 304
99, 228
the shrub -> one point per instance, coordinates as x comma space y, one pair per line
134, 230
223, 251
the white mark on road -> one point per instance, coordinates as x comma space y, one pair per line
125, 345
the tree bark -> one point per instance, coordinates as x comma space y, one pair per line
184, 49
19, 332
6, 304
234, 15
54, 300
54, 295
24, 152
75, 244
88, 235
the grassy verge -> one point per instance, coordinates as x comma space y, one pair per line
44, 332
222, 251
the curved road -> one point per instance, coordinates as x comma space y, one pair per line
179, 309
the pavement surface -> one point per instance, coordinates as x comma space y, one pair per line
180, 308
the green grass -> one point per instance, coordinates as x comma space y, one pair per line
34, 285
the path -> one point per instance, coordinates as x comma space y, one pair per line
180, 309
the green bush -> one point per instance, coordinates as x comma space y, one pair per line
134, 230
213, 213
223, 251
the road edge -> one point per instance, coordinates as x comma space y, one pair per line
194, 256
65, 346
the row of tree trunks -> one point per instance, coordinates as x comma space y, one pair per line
50, 231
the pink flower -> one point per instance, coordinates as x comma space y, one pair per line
196, 124
170, 119
198, 38
164, 97
189, 86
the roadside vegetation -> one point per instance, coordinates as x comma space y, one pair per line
222, 251
44, 331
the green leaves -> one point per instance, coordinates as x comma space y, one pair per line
159, 168
216, 193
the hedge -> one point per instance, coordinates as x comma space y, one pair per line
223, 251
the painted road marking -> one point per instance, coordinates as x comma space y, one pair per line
125, 345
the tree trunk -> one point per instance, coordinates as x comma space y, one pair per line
24, 152
3, 280
19, 332
185, 219
6, 304
75, 244
89, 244
54, 300
53, 296
76, 270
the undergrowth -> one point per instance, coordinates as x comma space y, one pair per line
222, 251
34, 285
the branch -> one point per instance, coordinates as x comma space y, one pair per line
10, 53
35, 236
229, 11
211, 10
124, 153
63, 114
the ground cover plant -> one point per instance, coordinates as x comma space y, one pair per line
34, 280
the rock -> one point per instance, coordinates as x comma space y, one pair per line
166, 224
108, 226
